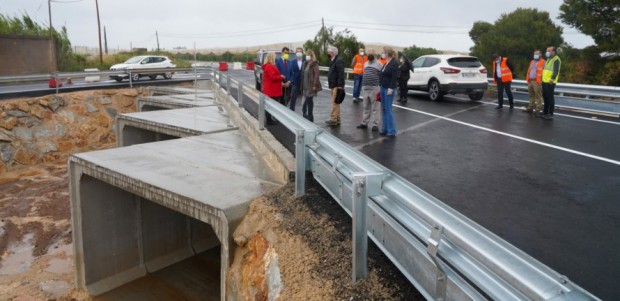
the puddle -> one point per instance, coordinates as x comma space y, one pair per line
56, 288
60, 266
20, 257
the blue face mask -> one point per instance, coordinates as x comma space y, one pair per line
548, 54
536, 56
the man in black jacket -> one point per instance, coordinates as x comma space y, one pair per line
335, 81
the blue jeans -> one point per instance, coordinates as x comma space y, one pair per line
388, 124
357, 85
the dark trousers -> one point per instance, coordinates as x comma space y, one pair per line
294, 95
306, 109
402, 85
286, 94
268, 119
548, 98
500, 93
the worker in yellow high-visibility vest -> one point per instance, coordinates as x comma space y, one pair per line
550, 77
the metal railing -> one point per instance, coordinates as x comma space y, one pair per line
604, 99
445, 255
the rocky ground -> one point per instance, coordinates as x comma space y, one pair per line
311, 235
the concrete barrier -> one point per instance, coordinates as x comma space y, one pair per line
158, 200
237, 66
137, 128
166, 102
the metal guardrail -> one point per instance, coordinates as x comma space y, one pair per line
603, 99
445, 255
64, 75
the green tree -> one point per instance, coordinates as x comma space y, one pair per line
415, 52
515, 35
599, 19
344, 40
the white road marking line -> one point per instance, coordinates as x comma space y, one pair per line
558, 114
568, 150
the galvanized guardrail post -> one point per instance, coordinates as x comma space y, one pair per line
56, 81
365, 185
300, 162
432, 248
261, 111
130, 79
240, 94
228, 84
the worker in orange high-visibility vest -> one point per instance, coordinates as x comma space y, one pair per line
502, 77
358, 71
533, 77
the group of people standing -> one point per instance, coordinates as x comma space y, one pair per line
375, 79
541, 77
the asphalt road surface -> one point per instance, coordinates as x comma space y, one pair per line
551, 188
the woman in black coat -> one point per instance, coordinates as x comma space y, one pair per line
403, 77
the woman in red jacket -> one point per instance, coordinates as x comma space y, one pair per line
272, 81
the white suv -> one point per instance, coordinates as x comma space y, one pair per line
143, 62
441, 74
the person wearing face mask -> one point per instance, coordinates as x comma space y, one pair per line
403, 77
502, 77
335, 82
550, 77
272, 82
310, 84
358, 72
533, 77
388, 81
282, 63
294, 76
383, 59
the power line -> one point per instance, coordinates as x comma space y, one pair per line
66, 1
397, 25
271, 30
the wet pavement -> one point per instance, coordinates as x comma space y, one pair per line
551, 188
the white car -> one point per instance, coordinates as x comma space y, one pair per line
143, 62
441, 74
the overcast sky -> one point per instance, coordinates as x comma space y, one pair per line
441, 24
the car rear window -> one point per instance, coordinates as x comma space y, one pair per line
464, 62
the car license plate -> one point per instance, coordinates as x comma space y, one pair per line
469, 75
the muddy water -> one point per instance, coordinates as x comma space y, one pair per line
19, 259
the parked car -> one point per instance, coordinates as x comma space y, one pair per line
258, 69
144, 62
441, 74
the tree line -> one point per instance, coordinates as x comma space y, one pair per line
515, 35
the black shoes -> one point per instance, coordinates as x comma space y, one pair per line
362, 126
375, 128
547, 117
498, 107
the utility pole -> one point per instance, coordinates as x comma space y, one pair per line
157, 37
52, 58
324, 35
99, 29
105, 40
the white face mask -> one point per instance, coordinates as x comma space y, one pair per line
308, 58
402, 61
362, 53
299, 54
383, 55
